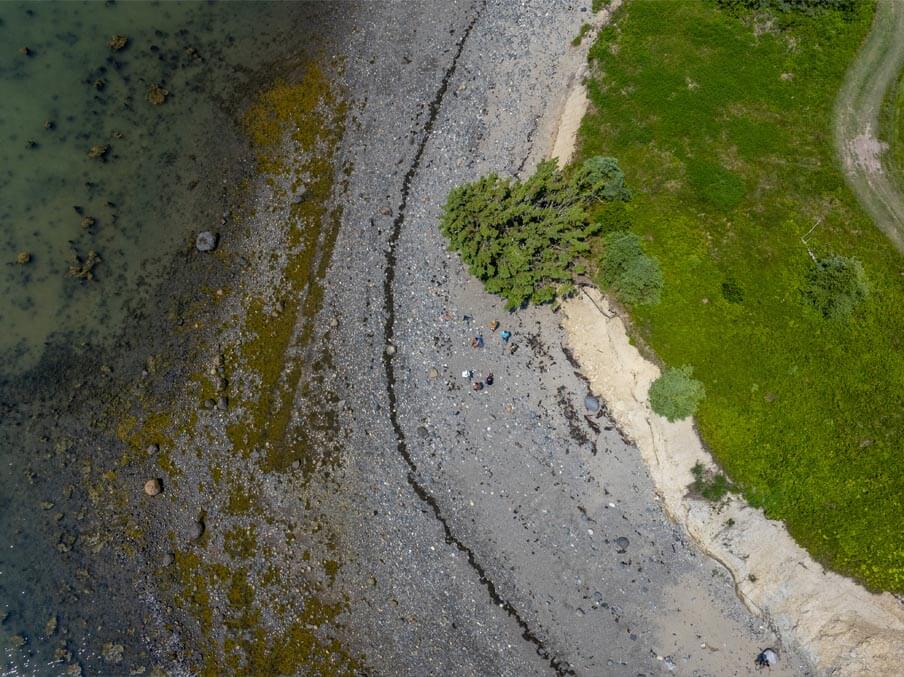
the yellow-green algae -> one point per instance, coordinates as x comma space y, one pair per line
310, 118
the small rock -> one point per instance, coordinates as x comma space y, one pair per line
99, 85
622, 543
767, 658
296, 464
591, 403
197, 529
49, 124
390, 350
209, 403
167, 559
3, 617
422, 431
157, 95
221, 383
51, 626
46, 505
222, 403
18, 641
23, 258
386, 211
118, 42
153, 448
74, 670
433, 373
334, 322
153, 487
25, 51
112, 653
206, 241
98, 151
87, 222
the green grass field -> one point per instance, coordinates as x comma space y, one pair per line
722, 124
891, 130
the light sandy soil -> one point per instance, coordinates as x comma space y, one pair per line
839, 626
857, 120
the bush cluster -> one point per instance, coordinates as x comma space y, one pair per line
713, 486
635, 277
835, 286
527, 239
676, 394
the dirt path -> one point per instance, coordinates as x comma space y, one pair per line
857, 120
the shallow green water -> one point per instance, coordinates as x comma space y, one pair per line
163, 179
157, 185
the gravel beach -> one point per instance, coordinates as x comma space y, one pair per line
505, 533
432, 528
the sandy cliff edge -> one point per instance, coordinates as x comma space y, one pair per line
841, 627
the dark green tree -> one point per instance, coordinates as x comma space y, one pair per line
527, 239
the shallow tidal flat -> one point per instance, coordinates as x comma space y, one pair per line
126, 130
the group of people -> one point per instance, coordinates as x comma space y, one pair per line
477, 342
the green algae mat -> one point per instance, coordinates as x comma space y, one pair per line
721, 118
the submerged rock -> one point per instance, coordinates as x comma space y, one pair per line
118, 42
206, 241
591, 403
98, 151
83, 269
112, 653
157, 94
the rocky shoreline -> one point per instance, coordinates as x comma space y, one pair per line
335, 497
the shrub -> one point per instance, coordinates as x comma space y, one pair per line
710, 485
835, 286
526, 239
635, 277
676, 394
732, 291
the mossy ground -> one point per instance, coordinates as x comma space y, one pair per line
722, 124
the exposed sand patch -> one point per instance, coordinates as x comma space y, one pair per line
565, 137
864, 152
841, 627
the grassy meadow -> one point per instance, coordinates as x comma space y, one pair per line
721, 121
